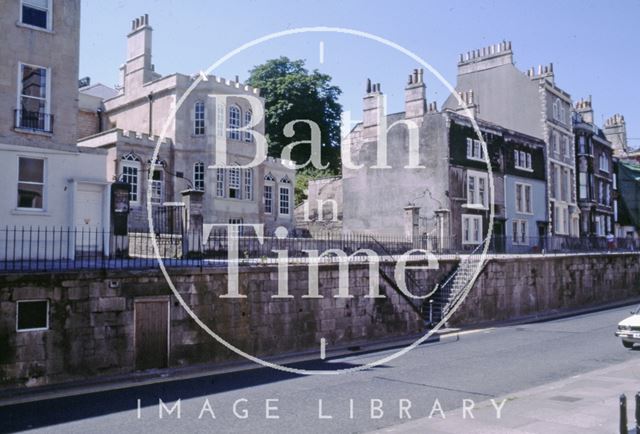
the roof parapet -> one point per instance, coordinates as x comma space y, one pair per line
235, 84
142, 138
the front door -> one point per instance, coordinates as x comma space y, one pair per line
89, 230
151, 333
542, 236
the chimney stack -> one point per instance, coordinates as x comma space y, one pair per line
486, 58
373, 109
415, 100
615, 130
585, 109
138, 68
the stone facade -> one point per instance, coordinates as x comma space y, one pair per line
530, 103
595, 174
451, 191
376, 191
209, 117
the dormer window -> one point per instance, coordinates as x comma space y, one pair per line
522, 160
36, 13
474, 149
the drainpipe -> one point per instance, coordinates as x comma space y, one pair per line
99, 114
150, 98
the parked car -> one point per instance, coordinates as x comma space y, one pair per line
629, 329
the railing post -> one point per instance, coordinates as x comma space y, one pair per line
623, 414
430, 312
638, 412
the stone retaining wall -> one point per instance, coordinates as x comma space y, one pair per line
91, 330
515, 287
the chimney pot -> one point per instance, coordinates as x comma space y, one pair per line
368, 85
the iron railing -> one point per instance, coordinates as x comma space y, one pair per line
36, 121
60, 248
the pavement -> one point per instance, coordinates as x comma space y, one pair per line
585, 403
516, 361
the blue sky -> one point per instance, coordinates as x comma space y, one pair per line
594, 45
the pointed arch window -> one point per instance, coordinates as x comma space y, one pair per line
130, 174
285, 196
157, 181
269, 185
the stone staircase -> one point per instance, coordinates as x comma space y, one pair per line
452, 291
448, 294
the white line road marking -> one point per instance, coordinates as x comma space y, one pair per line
321, 51
323, 345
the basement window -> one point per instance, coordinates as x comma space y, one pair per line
32, 315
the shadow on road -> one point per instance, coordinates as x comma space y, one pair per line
20, 417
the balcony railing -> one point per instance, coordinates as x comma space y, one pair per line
34, 121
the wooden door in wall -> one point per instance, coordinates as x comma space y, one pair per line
151, 332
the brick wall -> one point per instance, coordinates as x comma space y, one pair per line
87, 124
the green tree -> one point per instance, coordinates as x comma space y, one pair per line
302, 181
292, 93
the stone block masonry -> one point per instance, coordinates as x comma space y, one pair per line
92, 315
92, 318
516, 287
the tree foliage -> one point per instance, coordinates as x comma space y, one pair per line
292, 93
302, 181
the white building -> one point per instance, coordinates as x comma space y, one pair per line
48, 181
